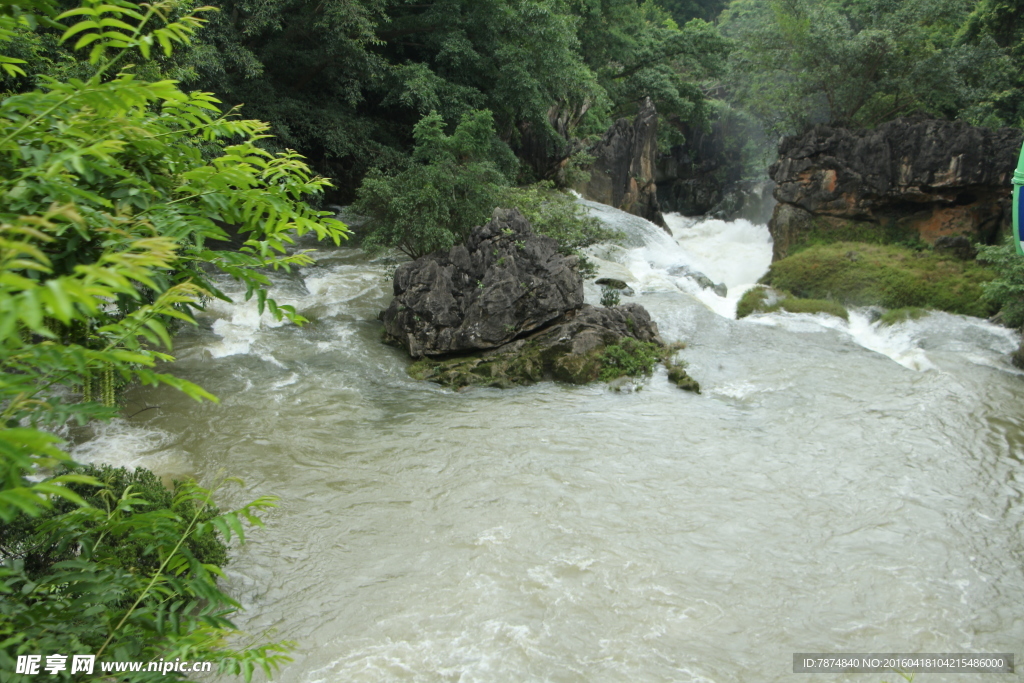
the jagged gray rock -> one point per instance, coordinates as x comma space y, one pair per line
503, 282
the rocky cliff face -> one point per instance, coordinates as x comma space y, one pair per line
623, 172
907, 178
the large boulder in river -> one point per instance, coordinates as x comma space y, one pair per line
503, 282
908, 178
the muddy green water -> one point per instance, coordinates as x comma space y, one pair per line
836, 488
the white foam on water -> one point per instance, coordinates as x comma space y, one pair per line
736, 253
237, 325
899, 342
333, 289
120, 443
733, 253
737, 390
290, 380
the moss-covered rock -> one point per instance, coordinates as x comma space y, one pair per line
883, 275
630, 357
519, 363
900, 315
794, 229
595, 343
765, 300
677, 375
754, 300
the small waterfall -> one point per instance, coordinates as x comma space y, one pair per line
737, 254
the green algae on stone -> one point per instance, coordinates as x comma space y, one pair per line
678, 376
900, 315
766, 300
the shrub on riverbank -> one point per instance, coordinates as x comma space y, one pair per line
1007, 290
884, 275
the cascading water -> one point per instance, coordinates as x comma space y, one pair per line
836, 488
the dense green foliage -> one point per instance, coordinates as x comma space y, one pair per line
684, 10
132, 578
114, 189
24, 539
630, 357
862, 62
557, 215
846, 62
883, 275
452, 184
995, 29
347, 81
1006, 291
449, 186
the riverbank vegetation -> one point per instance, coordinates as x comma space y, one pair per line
123, 180
1006, 290
117, 188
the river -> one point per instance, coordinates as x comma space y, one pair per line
835, 488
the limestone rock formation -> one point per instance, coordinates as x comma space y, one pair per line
908, 178
503, 282
623, 172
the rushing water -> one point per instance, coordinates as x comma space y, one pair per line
835, 488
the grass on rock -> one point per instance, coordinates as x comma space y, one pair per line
758, 300
883, 275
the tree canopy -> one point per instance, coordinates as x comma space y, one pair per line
862, 62
346, 81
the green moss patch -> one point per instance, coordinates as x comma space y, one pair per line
753, 301
677, 375
825, 230
759, 300
630, 357
900, 315
527, 364
883, 275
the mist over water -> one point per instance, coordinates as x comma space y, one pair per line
837, 487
